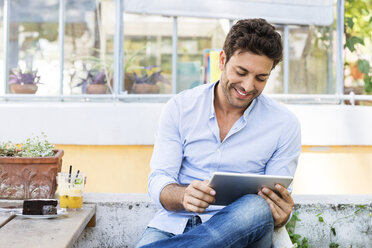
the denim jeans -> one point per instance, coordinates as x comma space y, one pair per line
247, 222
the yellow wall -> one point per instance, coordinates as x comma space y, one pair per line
334, 170
117, 169
321, 170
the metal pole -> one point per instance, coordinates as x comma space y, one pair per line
330, 61
286, 59
62, 19
118, 48
6, 43
340, 48
174, 56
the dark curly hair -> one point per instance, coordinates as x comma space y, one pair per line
256, 36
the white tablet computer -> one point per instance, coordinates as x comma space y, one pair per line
231, 186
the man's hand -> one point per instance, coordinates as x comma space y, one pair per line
281, 206
198, 196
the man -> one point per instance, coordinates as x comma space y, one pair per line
225, 126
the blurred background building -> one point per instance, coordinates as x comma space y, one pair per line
105, 68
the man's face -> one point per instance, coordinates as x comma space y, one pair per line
243, 77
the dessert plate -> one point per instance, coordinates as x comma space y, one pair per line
11, 210
60, 212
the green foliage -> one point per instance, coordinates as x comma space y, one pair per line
333, 245
33, 147
296, 238
358, 28
332, 226
8, 149
303, 243
352, 41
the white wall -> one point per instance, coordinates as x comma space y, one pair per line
135, 123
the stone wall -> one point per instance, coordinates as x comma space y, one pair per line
121, 219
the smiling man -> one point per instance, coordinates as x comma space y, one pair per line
225, 126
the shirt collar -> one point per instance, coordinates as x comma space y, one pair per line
211, 94
213, 112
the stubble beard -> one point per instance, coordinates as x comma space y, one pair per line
229, 91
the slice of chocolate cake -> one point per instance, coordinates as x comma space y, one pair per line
35, 206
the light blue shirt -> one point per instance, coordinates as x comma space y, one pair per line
266, 139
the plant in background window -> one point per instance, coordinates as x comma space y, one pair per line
95, 82
358, 29
145, 79
97, 71
23, 82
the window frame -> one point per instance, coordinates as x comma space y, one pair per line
119, 39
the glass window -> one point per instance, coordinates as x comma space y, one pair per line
2, 87
311, 67
199, 44
89, 47
147, 54
275, 83
33, 47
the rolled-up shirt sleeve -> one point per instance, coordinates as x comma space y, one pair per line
284, 160
168, 152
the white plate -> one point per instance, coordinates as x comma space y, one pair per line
60, 212
11, 210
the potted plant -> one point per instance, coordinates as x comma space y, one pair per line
23, 82
29, 170
94, 83
144, 80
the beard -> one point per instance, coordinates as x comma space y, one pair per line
229, 92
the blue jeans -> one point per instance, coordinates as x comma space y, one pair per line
247, 222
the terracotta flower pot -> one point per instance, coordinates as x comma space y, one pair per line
23, 88
145, 88
25, 178
355, 73
96, 89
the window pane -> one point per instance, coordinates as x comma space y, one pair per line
33, 47
275, 83
198, 38
2, 87
310, 67
89, 47
147, 54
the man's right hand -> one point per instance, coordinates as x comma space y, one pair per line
198, 196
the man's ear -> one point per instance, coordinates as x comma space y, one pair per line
222, 59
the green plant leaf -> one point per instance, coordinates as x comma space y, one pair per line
296, 236
367, 83
363, 66
333, 231
350, 43
320, 218
333, 245
350, 22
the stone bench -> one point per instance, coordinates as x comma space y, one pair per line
121, 219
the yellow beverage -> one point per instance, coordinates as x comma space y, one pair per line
70, 189
66, 201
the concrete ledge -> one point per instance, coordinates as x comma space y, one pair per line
338, 211
121, 219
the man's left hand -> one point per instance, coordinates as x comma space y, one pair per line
281, 206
